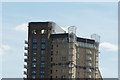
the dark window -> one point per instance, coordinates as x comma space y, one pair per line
51, 46
51, 52
51, 71
57, 45
51, 59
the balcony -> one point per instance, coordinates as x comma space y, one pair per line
25, 54
71, 65
26, 48
25, 60
70, 72
25, 66
25, 72
26, 42
88, 52
88, 64
88, 76
88, 58
88, 70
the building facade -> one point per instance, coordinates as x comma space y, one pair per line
53, 53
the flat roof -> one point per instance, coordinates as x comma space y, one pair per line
79, 39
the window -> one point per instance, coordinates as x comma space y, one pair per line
43, 46
34, 40
34, 46
42, 51
42, 65
51, 46
42, 71
51, 71
43, 31
51, 52
41, 76
34, 51
34, 32
51, 59
34, 72
71, 65
33, 64
34, 58
56, 52
33, 76
64, 58
63, 76
42, 58
43, 40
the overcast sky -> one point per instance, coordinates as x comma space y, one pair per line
89, 18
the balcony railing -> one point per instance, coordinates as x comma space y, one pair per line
25, 54
25, 60
25, 66
26, 42
89, 52
26, 48
70, 72
88, 70
88, 64
25, 72
88, 58
71, 65
88, 76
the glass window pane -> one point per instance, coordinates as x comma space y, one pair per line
42, 51
34, 40
43, 46
43, 40
34, 46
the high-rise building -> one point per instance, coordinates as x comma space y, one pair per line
53, 53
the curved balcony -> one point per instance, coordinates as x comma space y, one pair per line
26, 48
88, 58
88, 76
25, 72
25, 60
88, 64
88, 70
25, 54
26, 42
25, 66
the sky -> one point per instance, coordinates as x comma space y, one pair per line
89, 17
